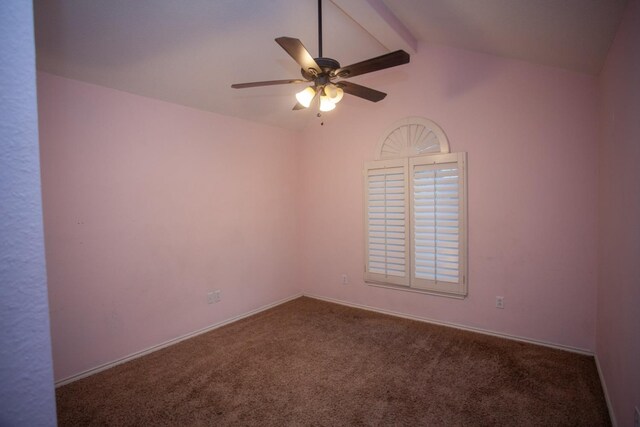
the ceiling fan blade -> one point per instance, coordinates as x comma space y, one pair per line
267, 83
298, 106
299, 53
392, 59
361, 91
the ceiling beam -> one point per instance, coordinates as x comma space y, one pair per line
378, 20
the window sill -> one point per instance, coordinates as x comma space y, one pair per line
415, 290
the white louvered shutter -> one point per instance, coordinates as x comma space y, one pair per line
387, 222
438, 216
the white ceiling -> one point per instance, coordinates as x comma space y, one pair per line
189, 52
571, 34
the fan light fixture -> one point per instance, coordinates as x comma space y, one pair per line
326, 104
334, 93
330, 95
305, 96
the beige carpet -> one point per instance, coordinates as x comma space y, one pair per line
309, 362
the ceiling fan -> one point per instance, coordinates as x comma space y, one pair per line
325, 72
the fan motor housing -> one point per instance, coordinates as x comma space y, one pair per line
326, 64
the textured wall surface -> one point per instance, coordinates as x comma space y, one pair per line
26, 379
618, 324
148, 206
531, 134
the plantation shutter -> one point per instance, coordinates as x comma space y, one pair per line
438, 215
387, 222
415, 223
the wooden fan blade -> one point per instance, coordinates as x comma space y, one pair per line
267, 83
299, 53
298, 106
361, 91
392, 59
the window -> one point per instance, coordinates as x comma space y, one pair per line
415, 218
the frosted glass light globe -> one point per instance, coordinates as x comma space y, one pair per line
305, 96
334, 93
326, 104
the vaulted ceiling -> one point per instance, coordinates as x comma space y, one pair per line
189, 52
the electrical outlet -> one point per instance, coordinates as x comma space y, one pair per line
345, 279
636, 417
499, 302
213, 296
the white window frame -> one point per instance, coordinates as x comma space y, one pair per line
410, 282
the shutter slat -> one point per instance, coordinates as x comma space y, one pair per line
387, 241
431, 256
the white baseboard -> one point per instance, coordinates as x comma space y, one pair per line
456, 325
614, 423
176, 340
170, 342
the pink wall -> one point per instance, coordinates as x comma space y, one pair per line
148, 206
531, 134
618, 320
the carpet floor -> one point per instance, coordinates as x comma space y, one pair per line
309, 362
